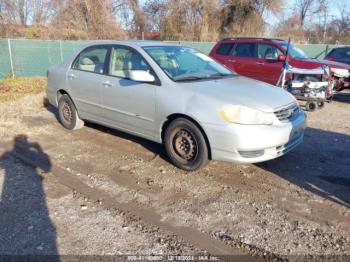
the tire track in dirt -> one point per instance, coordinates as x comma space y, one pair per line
149, 215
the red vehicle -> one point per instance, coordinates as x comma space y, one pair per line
263, 58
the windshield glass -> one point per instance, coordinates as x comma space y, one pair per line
294, 51
186, 64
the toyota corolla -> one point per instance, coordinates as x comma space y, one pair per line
177, 96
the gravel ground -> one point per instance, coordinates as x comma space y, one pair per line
100, 191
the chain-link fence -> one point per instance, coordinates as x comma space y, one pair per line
32, 57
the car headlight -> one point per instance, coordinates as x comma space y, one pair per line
245, 115
340, 72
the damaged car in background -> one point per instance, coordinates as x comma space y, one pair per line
179, 97
263, 59
280, 63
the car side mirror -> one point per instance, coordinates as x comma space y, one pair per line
141, 76
281, 58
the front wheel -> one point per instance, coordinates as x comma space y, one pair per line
185, 145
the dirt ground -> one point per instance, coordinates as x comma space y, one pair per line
100, 191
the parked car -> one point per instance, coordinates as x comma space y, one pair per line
339, 54
177, 96
263, 58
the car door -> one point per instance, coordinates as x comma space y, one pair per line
85, 79
243, 59
268, 66
129, 104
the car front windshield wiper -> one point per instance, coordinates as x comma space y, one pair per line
218, 75
189, 78
193, 77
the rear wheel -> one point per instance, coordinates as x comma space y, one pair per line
310, 106
68, 114
186, 145
320, 104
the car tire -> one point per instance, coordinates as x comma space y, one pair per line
320, 104
310, 106
68, 114
185, 145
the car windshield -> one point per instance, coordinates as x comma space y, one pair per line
186, 64
294, 51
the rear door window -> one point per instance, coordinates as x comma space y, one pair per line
224, 49
244, 50
92, 60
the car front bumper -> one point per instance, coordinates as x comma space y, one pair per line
255, 143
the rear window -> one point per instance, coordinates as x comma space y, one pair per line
244, 50
91, 59
224, 49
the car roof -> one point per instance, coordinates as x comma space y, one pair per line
139, 43
251, 39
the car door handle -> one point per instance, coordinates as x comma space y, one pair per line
260, 63
107, 84
231, 60
72, 76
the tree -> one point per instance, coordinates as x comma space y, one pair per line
155, 11
303, 8
27, 12
88, 19
245, 17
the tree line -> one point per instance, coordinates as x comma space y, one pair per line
307, 21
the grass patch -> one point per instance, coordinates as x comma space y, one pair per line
12, 89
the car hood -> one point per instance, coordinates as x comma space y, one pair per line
318, 62
335, 64
239, 90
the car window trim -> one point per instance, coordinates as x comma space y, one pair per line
86, 49
157, 81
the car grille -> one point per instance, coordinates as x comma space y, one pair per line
287, 113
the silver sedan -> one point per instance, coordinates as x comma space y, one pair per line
177, 96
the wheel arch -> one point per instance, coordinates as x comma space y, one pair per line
175, 116
62, 92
